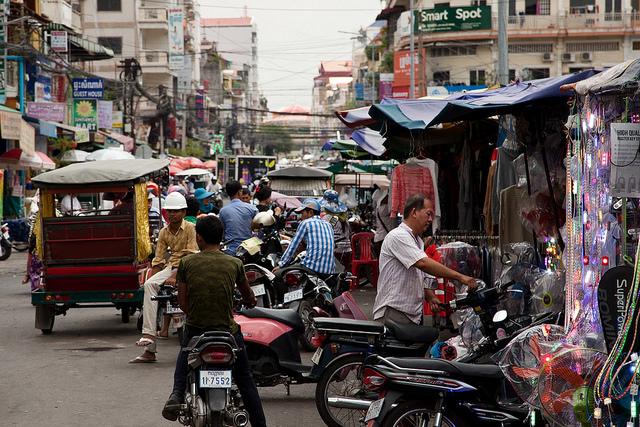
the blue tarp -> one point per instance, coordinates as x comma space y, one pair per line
423, 113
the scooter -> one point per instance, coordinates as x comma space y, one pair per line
211, 397
5, 243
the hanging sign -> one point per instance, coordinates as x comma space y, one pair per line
4, 13
105, 114
116, 120
85, 114
88, 88
624, 180
452, 19
10, 125
613, 292
27, 138
59, 41
176, 38
49, 111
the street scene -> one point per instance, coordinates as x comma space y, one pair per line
354, 214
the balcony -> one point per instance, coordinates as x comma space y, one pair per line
154, 62
530, 24
59, 11
76, 21
154, 18
598, 22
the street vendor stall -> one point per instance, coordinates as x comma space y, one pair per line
300, 181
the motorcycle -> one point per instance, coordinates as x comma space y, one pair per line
5, 243
211, 397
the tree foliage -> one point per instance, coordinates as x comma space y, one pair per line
275, 139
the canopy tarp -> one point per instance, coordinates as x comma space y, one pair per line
422, 113
361, 180
100, 172
300, 172
620, 78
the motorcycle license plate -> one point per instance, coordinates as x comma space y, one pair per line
374, 410
316, 356
173, 310
215, 379
258, 290
293, 296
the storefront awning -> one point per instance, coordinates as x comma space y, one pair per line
82, 49
126, 141
12, 126
50, 129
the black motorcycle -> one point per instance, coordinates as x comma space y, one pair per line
211, 397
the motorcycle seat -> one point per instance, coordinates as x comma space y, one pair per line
288, 317
452, 368
412, 333
332, 324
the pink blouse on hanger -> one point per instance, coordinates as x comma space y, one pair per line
407, 180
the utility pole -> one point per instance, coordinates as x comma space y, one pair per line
412, 77
503, 44
128, 76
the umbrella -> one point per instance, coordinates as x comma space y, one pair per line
283, 199
194, 171
109, 154
174, 170
74, 156
211, 164
18, 158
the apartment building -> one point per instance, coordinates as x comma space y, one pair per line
332, 90
546, 38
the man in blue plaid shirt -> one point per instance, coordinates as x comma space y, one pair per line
318, 237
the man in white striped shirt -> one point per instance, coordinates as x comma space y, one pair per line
403, 264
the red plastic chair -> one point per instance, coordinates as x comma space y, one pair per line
362, 254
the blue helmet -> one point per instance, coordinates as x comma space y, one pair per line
331, 196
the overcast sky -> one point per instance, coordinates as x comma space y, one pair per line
292, 41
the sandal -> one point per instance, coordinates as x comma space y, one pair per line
144, 342
142, 359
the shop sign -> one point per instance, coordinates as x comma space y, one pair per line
4, 13
59, 41
42, 89
105, 114
359, 91
613, 293
88, 88
85, 114
59, 88
176, 38
10, 125
116, 120
200, 108
27, 138
385, 86
402, 67
48, 111
452, 19
217, 144
624, 179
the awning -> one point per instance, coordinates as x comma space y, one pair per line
12, 126
80, 134
82, 49
126, 141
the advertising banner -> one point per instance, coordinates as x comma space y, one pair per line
624, 180
10, 125
59, 41
402, 67
176, 38
49, 111
4, 13
116, 120
88, 88
385, 86
27, 138
105, 114
42, 89
359, 91
85, 114
613, 293
452, 19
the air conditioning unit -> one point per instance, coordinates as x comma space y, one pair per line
547, 57
586, 57
568, 57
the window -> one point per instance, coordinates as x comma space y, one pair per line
441, 77
441, 4
612, 6
477, 77
478, 2
536, 73
593, 46
109, 6
113, 43
531, 48
440, 51
636, 45
512, 7
582, 6
512, 75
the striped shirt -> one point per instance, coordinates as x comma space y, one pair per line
318, 236
400, 284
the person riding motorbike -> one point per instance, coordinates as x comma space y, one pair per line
206, 283
180, 237
204, 200
317, 234
335, 212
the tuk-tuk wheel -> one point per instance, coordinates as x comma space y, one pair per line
45, 316
139, 324
125, 314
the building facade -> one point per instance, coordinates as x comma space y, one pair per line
332, 91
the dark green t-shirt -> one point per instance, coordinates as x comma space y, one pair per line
210, 278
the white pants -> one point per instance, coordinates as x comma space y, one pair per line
149, 306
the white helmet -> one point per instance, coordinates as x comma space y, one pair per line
175, 201
265, 219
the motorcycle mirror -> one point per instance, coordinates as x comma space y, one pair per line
500, 316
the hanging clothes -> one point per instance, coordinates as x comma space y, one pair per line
505, 176
465, 195
512, 230
417, 176
488, 200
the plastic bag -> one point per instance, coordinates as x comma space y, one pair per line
463, 258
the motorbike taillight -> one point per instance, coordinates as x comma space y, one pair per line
318, 339
216, 354
373, 380
252, 276
292, 279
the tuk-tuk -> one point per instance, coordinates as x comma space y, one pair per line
92, 235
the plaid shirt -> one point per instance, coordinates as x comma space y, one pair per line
318, 236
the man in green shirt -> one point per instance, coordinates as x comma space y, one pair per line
206, 283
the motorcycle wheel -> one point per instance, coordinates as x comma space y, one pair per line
418, 413
341, 379
5, 249
305, 310
125, 314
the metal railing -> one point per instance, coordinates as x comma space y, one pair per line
152, 14
155, 57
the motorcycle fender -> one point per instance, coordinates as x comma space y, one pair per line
216, 399
294, 305
269, 275
326, 360
391, 400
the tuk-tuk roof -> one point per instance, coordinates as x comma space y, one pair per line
100, 172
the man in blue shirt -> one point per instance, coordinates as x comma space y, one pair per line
318, 237
236, 218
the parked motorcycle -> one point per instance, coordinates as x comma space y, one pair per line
211, 397
5, 243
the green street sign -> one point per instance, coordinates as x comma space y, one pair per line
452, 19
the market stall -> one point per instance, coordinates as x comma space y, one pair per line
300, 181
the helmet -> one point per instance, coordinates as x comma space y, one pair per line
175, 201
202, 194
309, 204
265, 219
264, 180
175, 188
331, 196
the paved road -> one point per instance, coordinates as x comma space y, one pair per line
79, 375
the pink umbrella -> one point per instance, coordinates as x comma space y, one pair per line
18, 158
284, 200
211, 164
174, 170
193, 162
